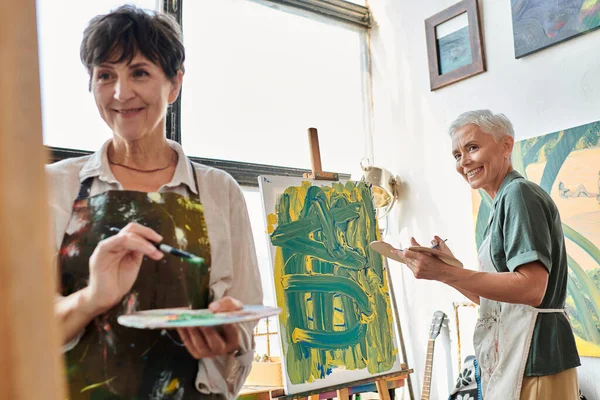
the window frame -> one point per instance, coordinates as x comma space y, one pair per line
175, 9
331, 9
246, 174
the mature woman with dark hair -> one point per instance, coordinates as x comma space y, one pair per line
144, 184
523, 339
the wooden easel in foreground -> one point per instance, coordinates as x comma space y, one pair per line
30, 361
383, 383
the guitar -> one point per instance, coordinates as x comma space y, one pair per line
439, 318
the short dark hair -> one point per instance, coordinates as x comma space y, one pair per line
120, 34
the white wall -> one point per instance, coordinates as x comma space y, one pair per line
556, 88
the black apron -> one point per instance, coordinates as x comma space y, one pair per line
115, 362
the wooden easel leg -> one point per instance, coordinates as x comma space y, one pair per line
411, 393
382, 389
342, 394
31, 365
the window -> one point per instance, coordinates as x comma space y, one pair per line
257, 78
69, 115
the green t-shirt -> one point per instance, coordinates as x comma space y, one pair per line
526, 227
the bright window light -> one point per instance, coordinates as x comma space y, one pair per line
257, 78
70, 117
257, 222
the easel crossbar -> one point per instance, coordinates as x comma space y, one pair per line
279, 394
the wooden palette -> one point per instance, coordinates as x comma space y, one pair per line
388, 251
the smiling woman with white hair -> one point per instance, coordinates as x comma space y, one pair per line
523, 339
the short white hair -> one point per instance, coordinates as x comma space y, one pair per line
496, 125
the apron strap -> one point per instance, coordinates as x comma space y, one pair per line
550, 310
195, 182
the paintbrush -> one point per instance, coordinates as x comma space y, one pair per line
165, 248
438, 245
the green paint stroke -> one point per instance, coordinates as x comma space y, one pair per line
197, 261
296, 236
331, 286
330, 340
324, 283
585, 318
585, 287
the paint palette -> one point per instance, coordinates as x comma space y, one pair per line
389, 251
170, 318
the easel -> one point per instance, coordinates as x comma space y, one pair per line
315, 160
343, 392
29, 332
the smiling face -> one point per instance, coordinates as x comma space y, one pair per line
132, 97
481, 160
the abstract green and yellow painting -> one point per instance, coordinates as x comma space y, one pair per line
566, 164
336, 326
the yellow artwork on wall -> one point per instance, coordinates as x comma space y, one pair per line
566, 164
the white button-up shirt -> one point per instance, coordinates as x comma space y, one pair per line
234, 268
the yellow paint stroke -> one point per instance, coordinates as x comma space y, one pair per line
148, 349
97, 385
271, 222
585, 348
87, 347
278, 276
172, 386
190, 204
588, 5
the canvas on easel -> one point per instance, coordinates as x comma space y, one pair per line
336, 326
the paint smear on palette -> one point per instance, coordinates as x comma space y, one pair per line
332, 286
178, 317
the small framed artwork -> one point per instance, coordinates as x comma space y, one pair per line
454, 45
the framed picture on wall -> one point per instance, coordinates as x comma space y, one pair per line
541, 24
454, 44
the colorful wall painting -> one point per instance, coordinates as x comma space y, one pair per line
566, 164
538, 24
336, 326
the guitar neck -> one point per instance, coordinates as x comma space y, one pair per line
428, 369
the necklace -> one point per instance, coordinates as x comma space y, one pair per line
137, 169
